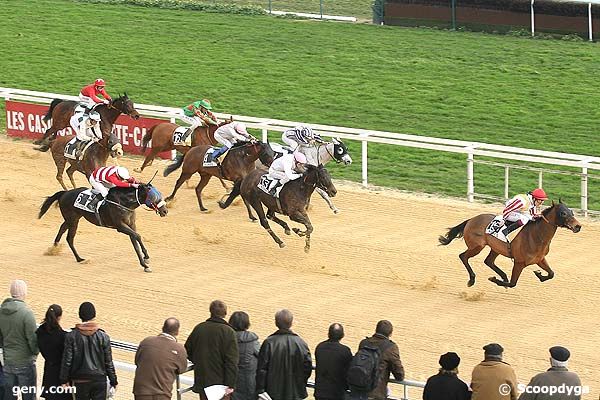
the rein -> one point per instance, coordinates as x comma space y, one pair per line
330, 155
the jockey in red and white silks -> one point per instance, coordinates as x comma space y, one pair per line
230, 134
89, 94
300, 135
105, 178
522, 208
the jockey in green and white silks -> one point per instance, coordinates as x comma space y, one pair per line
198, 114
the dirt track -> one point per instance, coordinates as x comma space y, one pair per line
378, 259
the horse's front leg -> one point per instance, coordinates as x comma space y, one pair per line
70, 171
514, 276
135, 241
326, 197
301, 217
141, 243
543, 264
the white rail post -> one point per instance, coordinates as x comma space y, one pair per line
541, 179
591, 34
365, 168
470, 178
584, 191
173, 152
532, 19
506, 176
265, 135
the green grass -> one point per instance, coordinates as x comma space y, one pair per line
459, 85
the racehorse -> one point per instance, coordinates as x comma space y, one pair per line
117, 213
162, 139
238, 162
95, 156
530, 246
61, 112
293, 200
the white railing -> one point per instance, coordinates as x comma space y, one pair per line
189, 381
583, 163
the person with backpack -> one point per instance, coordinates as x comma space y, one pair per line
370, 368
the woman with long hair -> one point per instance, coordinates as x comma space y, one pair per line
51, 341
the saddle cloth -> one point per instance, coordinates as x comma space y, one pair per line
266, 184
88, 200
81, 111
494, 228
212, 163
71, 149
178, 134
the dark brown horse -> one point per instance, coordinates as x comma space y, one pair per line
530, 246
238, 162
118, 212
162, 140
61, 112
293, 200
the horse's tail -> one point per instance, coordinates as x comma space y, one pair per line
48, 202
146, 139
453, 233
52, 105
172, 167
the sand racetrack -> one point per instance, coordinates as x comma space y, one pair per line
378, 259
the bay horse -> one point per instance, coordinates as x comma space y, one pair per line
293, 200
118, 212
238, 162
162, 140
530, 246
61, 112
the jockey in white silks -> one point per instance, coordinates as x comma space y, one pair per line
230, 134
286, 168
86, 128
521, 209
300, 135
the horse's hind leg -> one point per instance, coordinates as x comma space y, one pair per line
464, 257
70, 171
182, 178
201, 185
271, 215
514, 276
326, 197
71, 238
61, 231
148, 160
489, 261
299, 216
252, 217
60, 169
257, 205
546, 267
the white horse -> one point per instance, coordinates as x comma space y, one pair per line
321, 154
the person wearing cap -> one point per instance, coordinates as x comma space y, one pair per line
230, 134
198, 114
87, 358
301, 135
521, 209
446, 385
89, 94
18, 341
286, 168
493, 379
557, 376
87, 128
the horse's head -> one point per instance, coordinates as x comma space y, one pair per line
153, 199
125, 106
266, 154
114, 146
564, 217
319, 176
340, 152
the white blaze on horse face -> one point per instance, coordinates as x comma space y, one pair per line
347, 160
118, 149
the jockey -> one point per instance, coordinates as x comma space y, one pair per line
89, 94
198, 114
521, 209
230, 134
105, 178
300, 135
286, 168
86, 128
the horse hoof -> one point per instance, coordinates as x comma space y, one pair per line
168, 199
222, 205
288, 232
306, 249
281, 245
204, 209
336, 211
471, 282
147, 258
83, 261
147, 269
252, 219
137, 170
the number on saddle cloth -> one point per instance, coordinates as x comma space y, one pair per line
88, 200
495, 226
208, 160
178, 136
268, 184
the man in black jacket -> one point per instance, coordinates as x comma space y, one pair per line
333, 360
446, 385
284, 362
87, 359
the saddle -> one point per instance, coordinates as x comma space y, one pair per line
494, 228
75, 149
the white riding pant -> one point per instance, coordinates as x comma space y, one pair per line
194, 122
224, 141
88, 101
100, 186
517, 216
280, 176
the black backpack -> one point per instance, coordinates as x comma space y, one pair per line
363, 372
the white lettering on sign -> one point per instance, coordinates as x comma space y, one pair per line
37, 124
138, 134
15, 120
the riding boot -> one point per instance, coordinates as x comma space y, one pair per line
186, 134
217, 153
273, 190
510, 228
79, 145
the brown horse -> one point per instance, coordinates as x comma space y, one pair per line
530, 246
162, 140
237, 163
293, 200
61, 112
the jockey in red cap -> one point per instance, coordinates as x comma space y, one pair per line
521, 209
89, 94
105, 178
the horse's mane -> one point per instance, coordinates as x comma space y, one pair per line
545, 213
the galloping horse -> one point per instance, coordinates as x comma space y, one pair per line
530, 246
61, 112
162, 140
238, 162
118, 213
293, 200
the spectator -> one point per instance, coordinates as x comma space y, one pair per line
212, 347
159, 359
284, 362
446, 385
557, 376
248, 348
332, 359
87, 359
390, 358
493, 379
51, 341
18, 342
